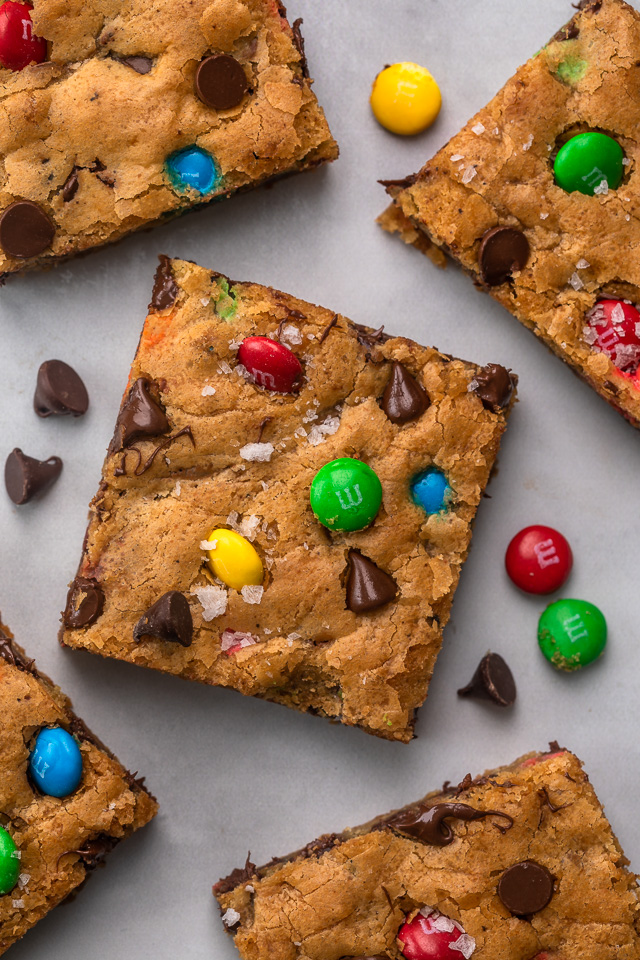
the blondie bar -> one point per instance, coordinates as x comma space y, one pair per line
519, 863
286, 503
65, 800
537, 198
130, 114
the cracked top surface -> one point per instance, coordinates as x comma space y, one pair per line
85, 105
49, 832
498, 171
144, 534
350, 900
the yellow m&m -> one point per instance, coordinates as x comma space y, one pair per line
405, 98
234, 560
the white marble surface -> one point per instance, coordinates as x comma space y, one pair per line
234, 774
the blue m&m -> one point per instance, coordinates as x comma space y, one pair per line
55, 764
192, 168
430, 490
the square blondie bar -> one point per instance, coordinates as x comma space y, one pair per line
141, 111
49, 841
242, 403
561, 258
519, 863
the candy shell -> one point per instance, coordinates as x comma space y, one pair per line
55, 764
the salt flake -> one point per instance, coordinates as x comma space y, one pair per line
443, 924
208, 391
528, 144
224, 367
252, 594
582, 264
478, 129
208, 545
320, 431
456, 157
602, 189
247, 527
260, 452
469, 174
17, 904
231, 917
576, 282
177, 489
464, 945
290, 334
212, 599
543, 216
234, 640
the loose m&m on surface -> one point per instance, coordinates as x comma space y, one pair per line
405, 98
572, 634
539, 559
55, 764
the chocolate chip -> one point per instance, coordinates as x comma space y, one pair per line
59, 390
25, 230
403, 399
25, 477
492, 680
169, 618
93, 852
494, 385
85, 602
141, 417
165, 289
368, 587
428, 824
525, 888
139, 64
503, 250
71, 185
221, 82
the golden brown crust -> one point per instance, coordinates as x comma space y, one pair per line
500, 173
351, 899
371, 670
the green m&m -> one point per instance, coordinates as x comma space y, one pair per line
572, 633
9, 863
346, 495
590, 163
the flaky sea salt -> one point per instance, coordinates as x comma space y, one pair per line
426, 911
17, 854
260, 452
617, 314
208, 545
247, 527
456, 157
543, 216
252, 594
443, 924
208, 391
290, 334
231, 917
17, 904
224, 367
320, 431
235, 345
469, 174
582, 264
250, 889
231, 639
205, 301
23, 880
576, 282
528, 144
300, 432
212, 599
464, 945
626, 162
177, 490
478, 129
602, 189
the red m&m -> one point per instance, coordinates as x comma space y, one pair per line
18, 45
613, 327
539, 559
434, 937
270, 364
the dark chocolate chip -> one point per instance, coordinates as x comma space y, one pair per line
169, 618
71, 185
368, 587
221, 82
93, 852
403, 399
525, 888
494, 385
141, 417
25, 230
139, 64
165, 289
14, 656
428, 824
59, 390
236, 877
492, 680
25, 477
503, 250
85, 602
570, 31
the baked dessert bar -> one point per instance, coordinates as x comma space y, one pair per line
537, 198
336, 472
520, 862
141, 111
53, 830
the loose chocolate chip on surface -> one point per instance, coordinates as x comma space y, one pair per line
525, 888
221, 82
503, 250
25, 477
428, 824
494, 385
492, 680
139, 64
70, 187
140, 418
403, 399
368, 587
169, 618
165, 289
59, 390
25, 230
85, 602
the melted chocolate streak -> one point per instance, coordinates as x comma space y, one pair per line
430, 826
140, 467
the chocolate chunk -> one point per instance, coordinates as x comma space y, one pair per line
368, 587
85, 602
494, 385
139, 64
25, 477
169, 618
71, 185
492, 680
298, 39
140, 418
25, 230
12, 655
93, 852
221, 82
570, 31
165, 289
403, 399
59, 390
428, 824
503, 250
525, 888
592, 5
236, 877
